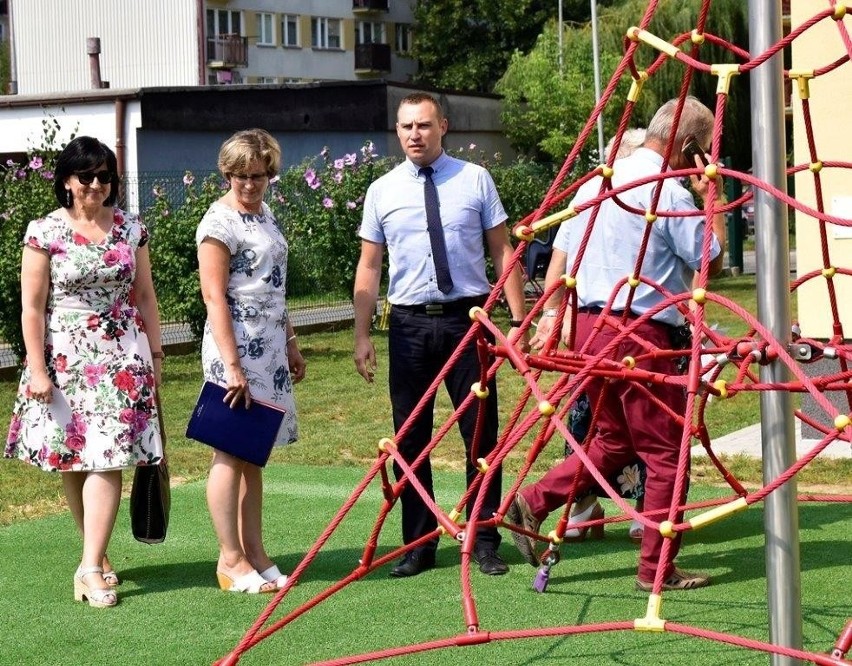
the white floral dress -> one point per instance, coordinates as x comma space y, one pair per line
103, 414
256, 299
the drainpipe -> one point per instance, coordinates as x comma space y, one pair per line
120, 147
200, 25
13, 69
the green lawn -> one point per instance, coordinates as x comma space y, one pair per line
172, 613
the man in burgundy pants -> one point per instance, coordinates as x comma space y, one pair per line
629, 423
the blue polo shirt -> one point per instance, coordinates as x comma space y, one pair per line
674, 247
395, 215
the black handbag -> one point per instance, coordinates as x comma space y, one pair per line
151, 497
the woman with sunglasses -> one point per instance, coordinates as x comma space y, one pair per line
86, 402
249, 346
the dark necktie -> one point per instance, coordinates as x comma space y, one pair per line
436, 232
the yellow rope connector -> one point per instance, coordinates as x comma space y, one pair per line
629, 361
545, 408
633, 281
524, 233
722, 386
718, 513
476, 310
699, 296
724, 72
829, 272
841, 421
478, 391
385, 443
711, 171
636, 87
802, 77
454, 515
651, 621
815, 167
570, 282
637, 34
650, 217
667, 529
553, 537
696, 37
839, 11
482, 465
607, 171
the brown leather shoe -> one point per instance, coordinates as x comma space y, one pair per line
678, 580
520, 515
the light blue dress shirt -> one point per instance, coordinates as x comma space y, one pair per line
674, 247
395, 215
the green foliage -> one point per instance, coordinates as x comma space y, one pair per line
5, 66
320, 205
174, 259
26, 193
544, 112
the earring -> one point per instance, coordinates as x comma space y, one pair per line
68, 198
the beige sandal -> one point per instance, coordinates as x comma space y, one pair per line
273, 575
98, 597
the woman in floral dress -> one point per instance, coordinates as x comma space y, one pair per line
249, 346
86, 405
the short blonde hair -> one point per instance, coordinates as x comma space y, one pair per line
630, 141
247, 146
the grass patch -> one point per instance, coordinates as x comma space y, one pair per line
169, 592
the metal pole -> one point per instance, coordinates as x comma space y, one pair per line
597, 65
559, 37
781, 518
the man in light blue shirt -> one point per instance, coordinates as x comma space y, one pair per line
431, 290
629, 422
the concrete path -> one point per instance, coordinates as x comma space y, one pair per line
748, 442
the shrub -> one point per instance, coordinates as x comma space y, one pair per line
26, 193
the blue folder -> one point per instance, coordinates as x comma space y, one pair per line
248, 434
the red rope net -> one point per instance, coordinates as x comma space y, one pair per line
556, 377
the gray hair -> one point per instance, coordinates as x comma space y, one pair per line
696, 120
630, 141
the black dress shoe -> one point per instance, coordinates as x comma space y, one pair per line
490, 563
414, 562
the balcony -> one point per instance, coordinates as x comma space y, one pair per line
369, 6
372, 58
227, 51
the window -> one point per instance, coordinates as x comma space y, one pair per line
265, 29
325, 33
267, 79
223, 22
368, 32
403, 37
289, 30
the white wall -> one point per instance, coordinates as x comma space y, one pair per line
830, 102
149, 43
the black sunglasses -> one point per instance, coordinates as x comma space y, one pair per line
87, 177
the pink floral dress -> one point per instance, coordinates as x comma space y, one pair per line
103, 414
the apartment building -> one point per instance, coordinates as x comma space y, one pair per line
204, 42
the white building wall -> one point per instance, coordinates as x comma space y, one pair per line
830, 101
144, 43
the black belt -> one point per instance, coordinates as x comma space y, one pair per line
462, 305
597, 309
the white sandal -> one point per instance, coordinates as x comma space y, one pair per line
274, 575
250, 583
98, 597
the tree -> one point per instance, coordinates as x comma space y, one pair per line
544, 111
466, 44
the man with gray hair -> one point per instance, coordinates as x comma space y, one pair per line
629, 422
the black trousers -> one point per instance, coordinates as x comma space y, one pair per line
419, 346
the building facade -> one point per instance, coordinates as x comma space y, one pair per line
205, 42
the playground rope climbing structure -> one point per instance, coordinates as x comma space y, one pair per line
720, 367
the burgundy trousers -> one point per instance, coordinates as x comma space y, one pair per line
629, 424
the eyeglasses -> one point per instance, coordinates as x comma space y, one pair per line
88, 177
245, 177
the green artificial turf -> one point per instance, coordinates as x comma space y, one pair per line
171, 611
